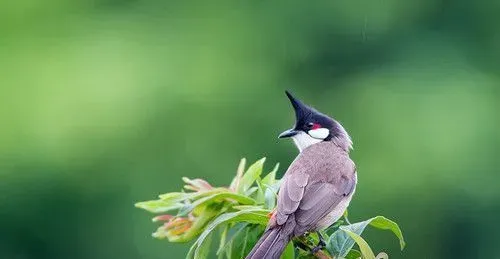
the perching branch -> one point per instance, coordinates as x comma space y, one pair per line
304, 244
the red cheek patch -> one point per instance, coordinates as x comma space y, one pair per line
316, 126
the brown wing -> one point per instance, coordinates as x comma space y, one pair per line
290, 195
319, 199
311, 192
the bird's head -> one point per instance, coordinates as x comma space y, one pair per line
312, 126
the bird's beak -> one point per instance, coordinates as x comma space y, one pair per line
288, 133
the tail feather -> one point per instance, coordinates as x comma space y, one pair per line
271, 245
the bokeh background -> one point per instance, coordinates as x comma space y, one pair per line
107, 102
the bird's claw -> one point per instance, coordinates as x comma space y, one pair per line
321, 244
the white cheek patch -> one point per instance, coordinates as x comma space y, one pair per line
303, 140
320, 133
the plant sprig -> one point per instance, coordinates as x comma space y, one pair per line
238, 214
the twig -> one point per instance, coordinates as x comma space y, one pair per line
302, 243
322, 255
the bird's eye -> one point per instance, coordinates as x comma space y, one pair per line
313, 126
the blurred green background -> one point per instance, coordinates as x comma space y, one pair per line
107, 102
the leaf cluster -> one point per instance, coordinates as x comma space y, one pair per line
237, 215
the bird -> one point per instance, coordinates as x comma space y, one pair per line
318, 185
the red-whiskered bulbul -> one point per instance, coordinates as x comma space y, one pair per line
317, 187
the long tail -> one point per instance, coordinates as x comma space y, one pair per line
271, 245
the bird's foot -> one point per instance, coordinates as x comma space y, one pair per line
321, 244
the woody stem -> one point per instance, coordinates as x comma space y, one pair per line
303, 244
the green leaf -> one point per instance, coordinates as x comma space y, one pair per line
252, 173
269, 199
202, 250
234, 234
251, 191
216, 198
289, 252
366, 251
196, 184
270, 178
255, 216
175, 196
183, 196
346, 214
222, 243
340, 243
248, 207
239, 174
387, 224
353, 254
259, 196
190, 253
268, 182
158, 206
271, 195
167, 202
242, 238
273, 187
245, 243
331, 229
